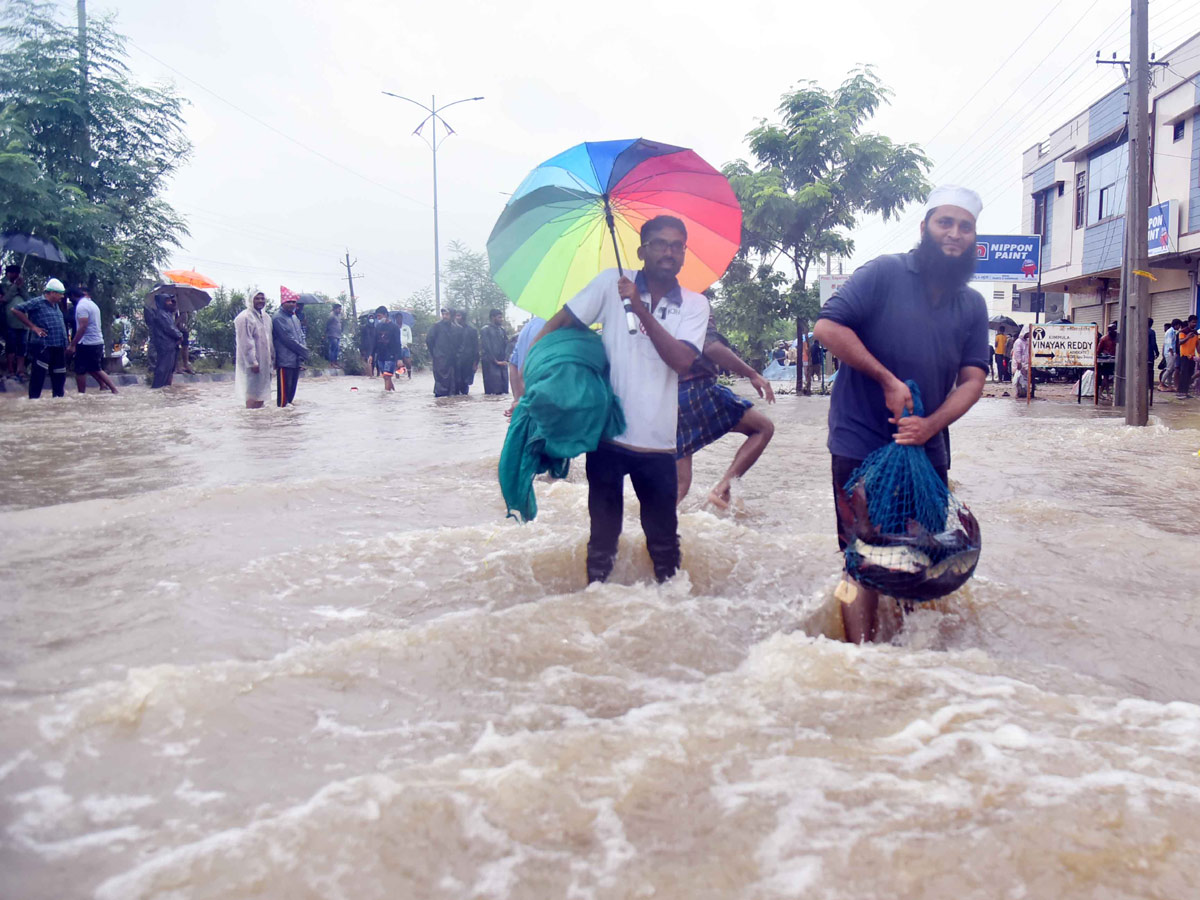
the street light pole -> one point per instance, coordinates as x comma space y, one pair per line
434, 114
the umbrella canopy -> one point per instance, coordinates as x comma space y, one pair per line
311, 300
17, 242
187, 299
189, 277
997, 322
553, 236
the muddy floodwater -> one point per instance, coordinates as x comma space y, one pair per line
302, 654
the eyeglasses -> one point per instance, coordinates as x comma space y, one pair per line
658, 245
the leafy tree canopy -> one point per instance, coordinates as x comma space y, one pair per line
84, 160
814, 173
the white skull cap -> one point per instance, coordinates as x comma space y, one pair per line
953, 195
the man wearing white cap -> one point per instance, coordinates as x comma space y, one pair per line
905, 316
47, 339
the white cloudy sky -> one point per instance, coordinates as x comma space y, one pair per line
298, 156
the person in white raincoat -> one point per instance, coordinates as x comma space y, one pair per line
255, 352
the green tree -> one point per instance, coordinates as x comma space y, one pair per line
84, 160
469, 284
817, 171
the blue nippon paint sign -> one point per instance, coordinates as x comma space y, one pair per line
1008, 257
1162, 228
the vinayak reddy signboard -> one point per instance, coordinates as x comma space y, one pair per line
1066, 346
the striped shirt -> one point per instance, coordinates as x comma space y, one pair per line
48, 316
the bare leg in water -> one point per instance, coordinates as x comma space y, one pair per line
860, 611
759, 431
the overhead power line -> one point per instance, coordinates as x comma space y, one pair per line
272, 128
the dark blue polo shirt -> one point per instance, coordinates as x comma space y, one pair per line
885, 303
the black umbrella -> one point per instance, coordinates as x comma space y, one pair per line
998, 321
17, 242
187, 299
311, 299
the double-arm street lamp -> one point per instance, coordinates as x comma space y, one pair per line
434, 116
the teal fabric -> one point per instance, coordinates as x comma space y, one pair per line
568, 407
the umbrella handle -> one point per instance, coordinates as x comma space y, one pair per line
630, 319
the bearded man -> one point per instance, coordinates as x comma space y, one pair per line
905, 316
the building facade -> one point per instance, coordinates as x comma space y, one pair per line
1075, 187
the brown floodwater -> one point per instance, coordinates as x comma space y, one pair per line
302, 654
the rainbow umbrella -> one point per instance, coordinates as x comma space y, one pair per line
579, 213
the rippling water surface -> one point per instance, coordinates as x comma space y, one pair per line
301, 653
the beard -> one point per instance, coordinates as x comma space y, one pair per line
947, 272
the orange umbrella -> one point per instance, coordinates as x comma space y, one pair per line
189, 276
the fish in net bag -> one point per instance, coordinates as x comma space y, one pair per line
906, 535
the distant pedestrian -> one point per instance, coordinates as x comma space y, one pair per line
333, 335
442, 340
12, 293
493, 341
42, 316
386, 351
708, 410
1170, 349
290, 351
467, 358
1020, 357
164, 337
406, 357
1001, 349
88, 344
1189, 346
366, 340
255, 357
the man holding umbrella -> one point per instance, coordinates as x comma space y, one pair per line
164, 336
47, 339
668, 324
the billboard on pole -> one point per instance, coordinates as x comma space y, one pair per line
829, 285
1008, 257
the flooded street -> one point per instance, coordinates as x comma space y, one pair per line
302, 654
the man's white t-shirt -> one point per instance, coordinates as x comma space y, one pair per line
86, 306
647, 386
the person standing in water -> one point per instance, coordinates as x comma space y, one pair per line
669, 326
255, 357
905, 316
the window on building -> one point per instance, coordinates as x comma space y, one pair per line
1039, 213
1177, 132
1106, 182
1080, 198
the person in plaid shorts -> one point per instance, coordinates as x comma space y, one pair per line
708, 411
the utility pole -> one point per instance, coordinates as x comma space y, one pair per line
85, 143
350, 279
434, 116
1137, 294
1132, 382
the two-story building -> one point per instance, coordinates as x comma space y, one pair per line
1075, 190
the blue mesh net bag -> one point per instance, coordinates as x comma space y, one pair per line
906, 535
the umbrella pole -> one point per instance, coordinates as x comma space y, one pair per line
630, 319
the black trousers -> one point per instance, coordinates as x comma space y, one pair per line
656, 484
286, 380
164, 364
51, 361
1185, 369
443, 377
495, 378
464, 377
